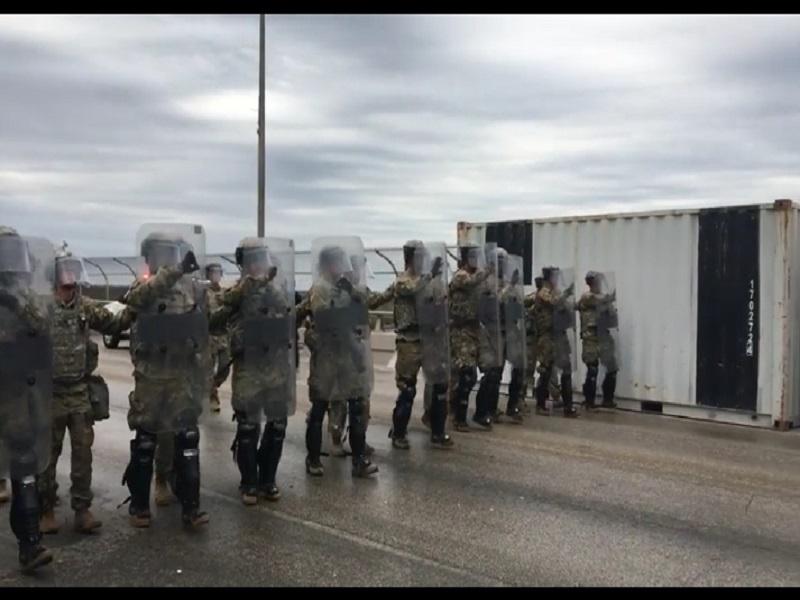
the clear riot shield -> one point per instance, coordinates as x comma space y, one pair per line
268, 335
608, 322
564, 321
342, 358
490, 338
513, 299
170, 339
193, 234
26, 355
431, 304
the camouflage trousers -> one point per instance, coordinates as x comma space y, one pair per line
408, 363
554, 351
81, 436
532, 358
599, 349
221, 362
464, 346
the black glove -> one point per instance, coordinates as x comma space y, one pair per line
9, 301
437, 266
515, 278
271, 273
189, 263
345, 284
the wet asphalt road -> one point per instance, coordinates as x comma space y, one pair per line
612, 498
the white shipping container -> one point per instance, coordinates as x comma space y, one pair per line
708, 317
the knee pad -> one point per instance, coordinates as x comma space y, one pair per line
407, 395
276, 429
188, 439
24, 515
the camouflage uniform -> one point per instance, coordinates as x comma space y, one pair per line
553, 350
337, 411
338, 372
464, 338
26, 392
409, 347
532, 356
219, 347
596, 349
159, 388
73, 354
261, 385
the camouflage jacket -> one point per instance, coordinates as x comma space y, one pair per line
464, 290
588, 307
545, 304
253, 297
144, 293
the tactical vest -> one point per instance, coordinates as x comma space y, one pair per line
70, 335
172, 331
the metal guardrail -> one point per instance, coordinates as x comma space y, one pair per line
377, 258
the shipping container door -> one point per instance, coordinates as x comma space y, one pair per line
515, 237
727, 308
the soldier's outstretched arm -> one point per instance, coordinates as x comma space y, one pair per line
150, 290
100, 319
377, 299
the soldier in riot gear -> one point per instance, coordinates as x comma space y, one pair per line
337, 411
341, 361
220, 352
513, 330
25, 385
598, 316
169, 349
553, 313
491, 348
261, 316
420, 318
74, 316
464, 328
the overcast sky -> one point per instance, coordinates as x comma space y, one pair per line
387, 127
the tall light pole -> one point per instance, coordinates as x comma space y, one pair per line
261, 133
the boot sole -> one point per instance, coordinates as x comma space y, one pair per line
41, 561
442, 446
197, 523
140, 524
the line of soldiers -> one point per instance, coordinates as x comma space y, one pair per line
446, 329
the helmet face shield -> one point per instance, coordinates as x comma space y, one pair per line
256, 261
162, 253
70, 271
14, 255
334, 262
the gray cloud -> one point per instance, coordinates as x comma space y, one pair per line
386, 127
